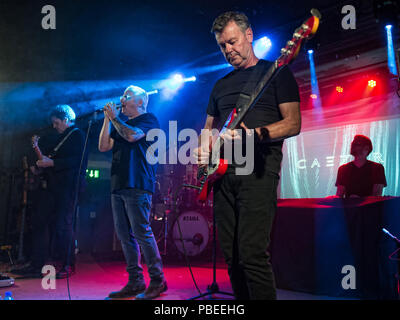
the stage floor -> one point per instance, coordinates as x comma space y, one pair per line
94, 280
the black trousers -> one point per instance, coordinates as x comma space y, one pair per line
244, 208
52, 223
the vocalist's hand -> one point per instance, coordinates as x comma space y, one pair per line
110, 111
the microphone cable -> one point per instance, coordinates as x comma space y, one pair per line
175, 199
75, 205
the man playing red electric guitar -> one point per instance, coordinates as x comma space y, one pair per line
244, 205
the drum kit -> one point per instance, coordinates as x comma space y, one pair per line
180, 223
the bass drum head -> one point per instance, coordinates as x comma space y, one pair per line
196, 233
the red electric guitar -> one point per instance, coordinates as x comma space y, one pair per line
217, 167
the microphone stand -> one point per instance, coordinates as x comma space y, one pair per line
213, 287
397, 276
77, 188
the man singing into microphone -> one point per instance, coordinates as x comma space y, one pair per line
132, 186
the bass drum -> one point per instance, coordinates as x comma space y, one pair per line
196, 230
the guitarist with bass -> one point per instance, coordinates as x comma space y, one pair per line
245, 205
54, 205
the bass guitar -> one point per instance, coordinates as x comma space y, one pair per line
41, 173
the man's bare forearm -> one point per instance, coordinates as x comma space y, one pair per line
104, 138
288, 127
278, 131
127, 132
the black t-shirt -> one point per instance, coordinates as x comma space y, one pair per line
67, 160
283, 88
360, 181
130, 168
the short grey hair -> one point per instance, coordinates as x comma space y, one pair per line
141, 94
223, 19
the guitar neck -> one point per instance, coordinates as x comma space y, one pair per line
245, 103
38, 153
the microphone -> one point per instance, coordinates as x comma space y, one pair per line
118, 106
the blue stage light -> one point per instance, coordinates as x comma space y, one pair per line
314, 81
261, 47
390, 51
208, 69
174, 82
169, 87
190, 79
152, 92
177, 78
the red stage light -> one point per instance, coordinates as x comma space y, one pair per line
371, 83
339, 89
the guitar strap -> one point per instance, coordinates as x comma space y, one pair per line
45, 175
62, 141
258, 78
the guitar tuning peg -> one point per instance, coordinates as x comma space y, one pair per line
305, 27
283, 51
290, 43
296, 35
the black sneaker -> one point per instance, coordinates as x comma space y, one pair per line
129, 291
153, 291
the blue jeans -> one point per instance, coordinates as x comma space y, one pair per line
131, 211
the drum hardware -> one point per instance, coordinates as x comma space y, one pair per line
195, 233
197, 240
180, 182
163, 234
175, 198
213, 287
161, 211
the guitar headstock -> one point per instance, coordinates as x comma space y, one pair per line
304, 32
35, 141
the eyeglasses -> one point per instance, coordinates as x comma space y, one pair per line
126, 97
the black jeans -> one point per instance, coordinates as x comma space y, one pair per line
52, 218
244, 208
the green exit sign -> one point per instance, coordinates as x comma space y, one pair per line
93, 173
